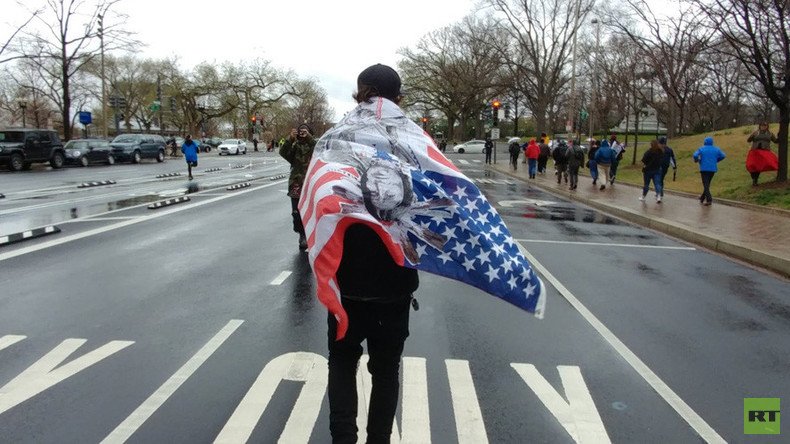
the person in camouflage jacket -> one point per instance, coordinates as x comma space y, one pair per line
298, 150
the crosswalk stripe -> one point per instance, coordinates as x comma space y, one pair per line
468, 418
133, 422
280, 278
9, 340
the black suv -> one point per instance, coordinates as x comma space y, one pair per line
134, 147
19, 148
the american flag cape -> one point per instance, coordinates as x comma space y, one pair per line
379, 168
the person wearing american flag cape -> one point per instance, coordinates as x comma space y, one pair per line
380, 202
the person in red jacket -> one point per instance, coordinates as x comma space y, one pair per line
533, 152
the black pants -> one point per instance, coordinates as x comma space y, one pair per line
573, 172
613, 169
542, 161
755, 178
488, 156
386, 327
297, 219
707, 177
514, 160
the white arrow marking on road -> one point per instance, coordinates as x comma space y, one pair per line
9, 340
536, 202
280, 278
468, 418
578, 415
150, 405
297, 366
43, 375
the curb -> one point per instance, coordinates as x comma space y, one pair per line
281, 176
211, 170
29, 234
238, 186
239, 165
168, 202
161, 176
96, 184
742, 252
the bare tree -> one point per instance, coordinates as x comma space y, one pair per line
757, 33
70, 41
8, 51
670, 48
542, 34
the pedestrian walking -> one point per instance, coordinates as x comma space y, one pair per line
298, 150
532, 154
255, 143
560, 156
667, 161
708, 156
443, 145
651, 171
760, 158
545, 152
591, 163
603, 159
488, 148
619, 151
575, 158
190, 150
514, 149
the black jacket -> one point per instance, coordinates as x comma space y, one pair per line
367, 271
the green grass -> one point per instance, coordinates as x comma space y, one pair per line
731, 182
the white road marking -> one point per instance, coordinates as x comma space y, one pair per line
657, 247
684, 410
477, 161
91, 219
133, 422
43, 374
416, 423
9, 340
100, 230
280, 278
536, 202
463, 162
468, 418
297, 366
578, 415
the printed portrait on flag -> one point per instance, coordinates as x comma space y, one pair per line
378, 168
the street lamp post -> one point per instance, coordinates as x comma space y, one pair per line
594, 99
23, 107
103, 87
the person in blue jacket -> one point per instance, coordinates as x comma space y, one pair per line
604, 158
708, 156
190, 150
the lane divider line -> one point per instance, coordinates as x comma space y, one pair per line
696, 422
133, 422
168, 202
126, 223
604, 244
29, 234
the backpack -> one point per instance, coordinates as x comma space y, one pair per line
513, 148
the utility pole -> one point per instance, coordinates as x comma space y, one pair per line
594, 100
103, 87
574, 105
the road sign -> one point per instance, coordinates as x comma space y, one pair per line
495, 133
156, 106
85, 117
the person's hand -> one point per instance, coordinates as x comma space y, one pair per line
293, 134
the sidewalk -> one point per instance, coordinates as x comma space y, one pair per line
760, 238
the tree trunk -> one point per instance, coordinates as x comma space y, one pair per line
450, 127
784, 122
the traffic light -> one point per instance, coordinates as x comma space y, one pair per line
495, 105
424, 122
253, 119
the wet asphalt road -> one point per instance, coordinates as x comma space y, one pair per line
161, 293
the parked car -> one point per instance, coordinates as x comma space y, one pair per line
135, 147
86, 151
472, 146
20, 148
234, 146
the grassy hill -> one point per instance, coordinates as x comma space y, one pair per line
731, 182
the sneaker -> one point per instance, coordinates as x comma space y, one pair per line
658, 198
642, 198
190, 177
603, 187
707, 204
595, 181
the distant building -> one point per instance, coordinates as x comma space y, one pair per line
648, 123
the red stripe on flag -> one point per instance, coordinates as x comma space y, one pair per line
435, 155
